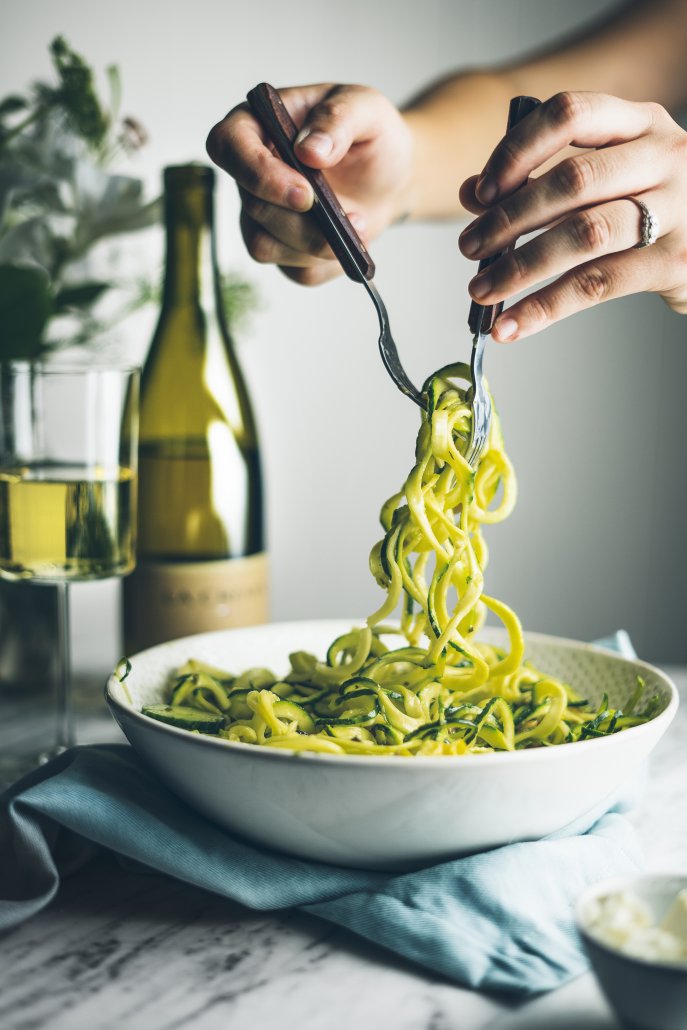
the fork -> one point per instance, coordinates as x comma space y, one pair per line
268, 108
481, 322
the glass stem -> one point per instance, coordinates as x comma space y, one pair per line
65, 728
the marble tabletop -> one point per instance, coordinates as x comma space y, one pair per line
122, 947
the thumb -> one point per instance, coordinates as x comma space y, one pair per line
347, 115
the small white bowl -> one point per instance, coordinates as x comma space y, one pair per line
385, 812
646, 994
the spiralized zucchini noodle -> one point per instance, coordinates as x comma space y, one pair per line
440, 692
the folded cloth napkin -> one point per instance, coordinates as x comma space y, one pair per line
500, 920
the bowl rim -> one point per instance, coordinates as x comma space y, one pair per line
395, 761
617, 884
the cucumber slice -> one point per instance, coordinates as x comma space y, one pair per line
238, 706
185, 718
291, 711
359, 733
254, 679
356, 684
198, 685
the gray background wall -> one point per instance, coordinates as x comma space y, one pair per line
593, 408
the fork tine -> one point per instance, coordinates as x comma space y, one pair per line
387, 348
479, 400
481, 422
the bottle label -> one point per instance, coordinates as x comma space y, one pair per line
166, 600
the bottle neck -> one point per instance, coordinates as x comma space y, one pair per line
190, 265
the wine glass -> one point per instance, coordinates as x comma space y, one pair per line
68, 486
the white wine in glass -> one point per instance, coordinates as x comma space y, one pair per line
68, 452
66, 522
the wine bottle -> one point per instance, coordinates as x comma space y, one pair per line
201, 563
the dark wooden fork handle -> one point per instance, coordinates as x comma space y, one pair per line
267, 106
481, 318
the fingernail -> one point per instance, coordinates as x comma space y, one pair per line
358, 224
486, 190
481, 285
299, 198
506, 327
318, 142
470, 242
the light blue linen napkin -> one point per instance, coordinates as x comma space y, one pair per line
501, 920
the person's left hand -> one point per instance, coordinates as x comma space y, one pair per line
593, 225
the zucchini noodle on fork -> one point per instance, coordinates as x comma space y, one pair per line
440, 692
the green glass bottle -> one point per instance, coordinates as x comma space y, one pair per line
201, 562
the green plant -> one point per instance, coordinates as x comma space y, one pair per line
59, 199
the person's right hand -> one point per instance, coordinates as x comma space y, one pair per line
355, 134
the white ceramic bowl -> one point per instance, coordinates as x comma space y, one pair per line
645, 994
384, 812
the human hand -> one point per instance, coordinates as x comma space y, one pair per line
353, 133
583, 203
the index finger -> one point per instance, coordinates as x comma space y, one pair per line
566, 119
239, 145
